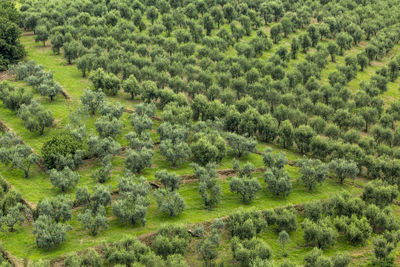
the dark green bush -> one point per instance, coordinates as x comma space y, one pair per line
60, 148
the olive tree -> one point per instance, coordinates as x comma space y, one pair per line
209, 188
49, 234
94, 221
169, 202
65, 179
136, 161
312, 171
344, 169
35, 117
241, 144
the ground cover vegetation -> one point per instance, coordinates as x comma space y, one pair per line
129, 114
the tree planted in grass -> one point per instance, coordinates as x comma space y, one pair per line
107, 82
171, 239
169, 202
209, 188
108, 127
131, 86
131, 207
139, 142
63, 149
249, 251
380, 193
103, 174
278, 181
15, 216
13, 97
283, 240
41, 34
92, 101
344, 41
72, 50
320, 234
245, 185
22, 157
312, 172
35, 117
241, 144
49, 88
94, 222
344, 169
141, 122
65, 179
170, 180
58, 208
136, 161
175, 152
49, 234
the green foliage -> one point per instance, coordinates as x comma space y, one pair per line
15, 216
107, 82
208, 148
380, 193
245, 185
62, 148
94, 222
170, 180
176, 152
108, 126
126, 252
103, 174
49, 234
344, 169
59, 208
65, 179
246, 252
136, 161
169, 202
89, 258
313, 210
312, 172
12, 50
171, 239
245, 225
92, 101
209, 188
320, 234
241, 144
131, 86
35, 117
13, 97
357, 231
283, 240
